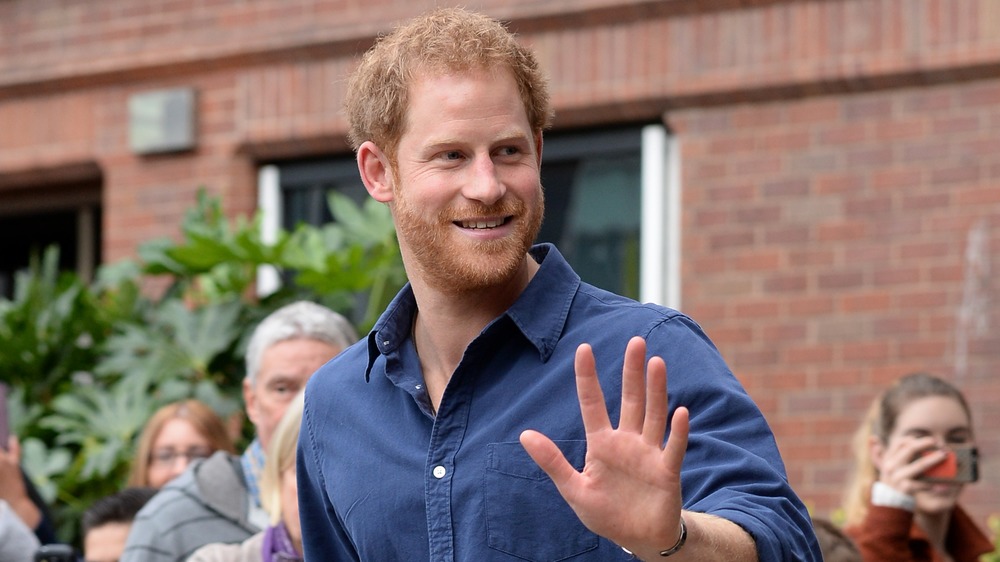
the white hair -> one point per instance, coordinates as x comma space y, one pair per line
299, 320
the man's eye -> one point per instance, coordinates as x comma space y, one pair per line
509, 151
452, 155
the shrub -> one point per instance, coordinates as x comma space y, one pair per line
89, 363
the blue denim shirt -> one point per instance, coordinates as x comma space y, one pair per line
382, 478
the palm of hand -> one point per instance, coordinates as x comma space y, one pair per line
629, 489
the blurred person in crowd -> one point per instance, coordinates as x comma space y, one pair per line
106, 523
834, 543
17, 542
282, 540
175, 435
217, 499
901, 503
20, 494
415, 444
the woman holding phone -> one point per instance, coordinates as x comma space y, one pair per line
915, 453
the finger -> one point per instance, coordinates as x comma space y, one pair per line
588, 390
655, 426
633, 386
677, 442
906, 450
549, 458
14, 447
924, 462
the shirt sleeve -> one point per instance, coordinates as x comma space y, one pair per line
732, 468
323, 536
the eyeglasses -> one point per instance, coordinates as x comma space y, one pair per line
167, 457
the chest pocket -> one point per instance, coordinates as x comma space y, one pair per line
525, 515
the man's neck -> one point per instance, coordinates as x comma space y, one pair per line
446, 323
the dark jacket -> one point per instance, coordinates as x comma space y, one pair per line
208, 503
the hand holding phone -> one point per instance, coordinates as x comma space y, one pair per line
960, 465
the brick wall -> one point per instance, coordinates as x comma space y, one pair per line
834, 243
840, 164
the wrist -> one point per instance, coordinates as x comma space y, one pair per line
681, 539
886, 496
27, 512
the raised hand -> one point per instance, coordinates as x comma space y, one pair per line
12, 489
630, 489
900, 464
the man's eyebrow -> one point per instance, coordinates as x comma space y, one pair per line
501, 138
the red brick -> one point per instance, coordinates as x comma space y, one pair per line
916, 300
865, 302
879, 205
951, 125
844, 134
785, 188
896, 326
845, 182
865, 351
756, 309
896, 275
759, 261
922, 349
790, 283
811, 257
781, 333
787, 235
808, 306
841, 231
767, 214
839, 280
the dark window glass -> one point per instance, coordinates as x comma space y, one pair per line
27, 229
592, 195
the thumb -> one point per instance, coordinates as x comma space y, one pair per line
14, 448
548, 457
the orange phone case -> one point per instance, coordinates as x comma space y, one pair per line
944, 470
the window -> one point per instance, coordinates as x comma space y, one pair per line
68, 216
611, 205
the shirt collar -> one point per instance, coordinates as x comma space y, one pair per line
539, 313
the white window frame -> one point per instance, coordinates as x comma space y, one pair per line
660, 226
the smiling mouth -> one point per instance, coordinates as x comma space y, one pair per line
482, 224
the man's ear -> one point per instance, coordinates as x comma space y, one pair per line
250, 401
538, 148
376, 173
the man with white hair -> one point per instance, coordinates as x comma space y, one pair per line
217, 499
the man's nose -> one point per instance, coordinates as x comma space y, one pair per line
485, 184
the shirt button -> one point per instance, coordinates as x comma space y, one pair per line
439, 471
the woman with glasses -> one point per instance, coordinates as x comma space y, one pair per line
175, 435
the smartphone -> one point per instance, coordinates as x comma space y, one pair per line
55, 553
960, 465
4, 420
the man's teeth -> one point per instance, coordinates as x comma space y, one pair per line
482, 224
